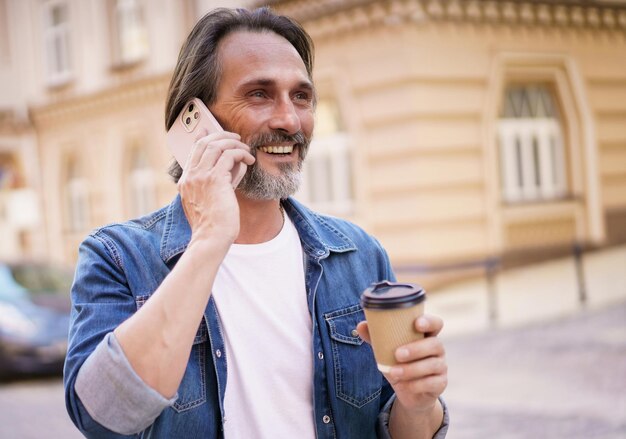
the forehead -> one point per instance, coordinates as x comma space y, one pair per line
256, 53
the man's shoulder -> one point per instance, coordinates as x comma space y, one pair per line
324, 224
146, 223
140, 229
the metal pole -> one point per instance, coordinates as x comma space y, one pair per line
492, 294
580, 274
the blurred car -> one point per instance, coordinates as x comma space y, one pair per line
34, 319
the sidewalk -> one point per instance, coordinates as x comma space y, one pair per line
548, 367
532, 294
563, 379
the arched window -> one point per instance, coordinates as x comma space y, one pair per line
327, 172
532, 155
141, 184
76, 197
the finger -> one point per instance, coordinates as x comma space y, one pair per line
202, 133
238, 172
429, 325
419, 369
214, 150
364, 331
434, 385
230, 158
203, 141
221, 135
197, 149
420, 349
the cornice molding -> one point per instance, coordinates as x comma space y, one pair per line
106, 101
331, 17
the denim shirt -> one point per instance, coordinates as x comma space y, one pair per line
121, 265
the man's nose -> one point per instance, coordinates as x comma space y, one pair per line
285, 117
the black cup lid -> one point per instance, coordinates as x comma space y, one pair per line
387, 295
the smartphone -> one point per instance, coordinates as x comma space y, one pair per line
194, 122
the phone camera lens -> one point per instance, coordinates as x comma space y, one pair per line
190, 108
196, 115
188, 120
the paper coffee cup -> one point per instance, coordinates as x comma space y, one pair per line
391, 309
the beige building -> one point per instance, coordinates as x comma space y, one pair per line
454, 131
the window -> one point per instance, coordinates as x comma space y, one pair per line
77, 198
531, 141
142, 190
327, 173
131, 38
56, 31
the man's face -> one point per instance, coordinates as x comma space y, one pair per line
265, 96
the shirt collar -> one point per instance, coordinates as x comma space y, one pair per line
318, 236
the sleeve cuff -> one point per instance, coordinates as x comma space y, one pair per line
383, 420
113, 394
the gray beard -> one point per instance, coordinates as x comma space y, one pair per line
258, 184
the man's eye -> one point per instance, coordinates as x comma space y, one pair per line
257, 94
301, 96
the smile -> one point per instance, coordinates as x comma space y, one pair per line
277, 149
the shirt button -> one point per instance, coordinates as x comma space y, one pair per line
326, 419
218, 353
320, 252
320, 355
355, 333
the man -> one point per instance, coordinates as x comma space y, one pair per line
234, 312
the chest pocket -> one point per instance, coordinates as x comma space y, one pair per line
357, 380
192, 389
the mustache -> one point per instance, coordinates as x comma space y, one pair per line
262, 139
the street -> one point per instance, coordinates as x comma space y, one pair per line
561, 379
33, 409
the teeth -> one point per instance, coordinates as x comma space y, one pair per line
277, 149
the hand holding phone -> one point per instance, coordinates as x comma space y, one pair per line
194, 122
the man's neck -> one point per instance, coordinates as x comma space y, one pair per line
260, 220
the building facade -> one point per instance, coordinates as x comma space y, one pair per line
455, 131
82, 134
481, 128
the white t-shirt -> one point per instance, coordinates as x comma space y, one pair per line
260, 296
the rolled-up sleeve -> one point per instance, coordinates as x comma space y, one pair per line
383, 420
105, 398
108, 376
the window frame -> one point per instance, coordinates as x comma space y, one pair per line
330, 154
121, 30
141, 188
57, 37
76, 195
333, 152
584, 202
532, 156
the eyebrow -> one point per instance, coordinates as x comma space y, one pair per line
270, 83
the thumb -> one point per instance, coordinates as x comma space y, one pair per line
364, 331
